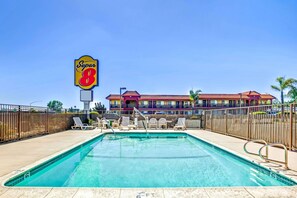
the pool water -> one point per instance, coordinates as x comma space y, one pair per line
151, 160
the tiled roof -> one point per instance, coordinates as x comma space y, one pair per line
245, 95
131, 93
250, 93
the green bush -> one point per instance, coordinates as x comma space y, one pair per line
259, 113
94, 112
90, 121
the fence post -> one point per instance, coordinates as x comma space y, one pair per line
226, 121
46, 121
211, 120
66, 123
19, 122
204, 121
291, 128
248, 124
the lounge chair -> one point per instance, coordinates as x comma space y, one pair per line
126, 124
79, 125
181, 124
153, 123
163, 123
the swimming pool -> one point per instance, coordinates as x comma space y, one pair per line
148, 160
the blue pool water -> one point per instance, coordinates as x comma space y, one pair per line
148, 160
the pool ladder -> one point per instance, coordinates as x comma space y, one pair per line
266, 146
108, 124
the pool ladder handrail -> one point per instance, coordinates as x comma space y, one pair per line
278, 145
108, 124
255, 141
145, 117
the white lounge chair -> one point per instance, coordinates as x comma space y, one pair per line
163, 123
153, 123
181, 124
126, 124
79, 125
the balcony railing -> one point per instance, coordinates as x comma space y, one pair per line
207, 105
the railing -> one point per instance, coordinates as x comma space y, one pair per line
266, 158
272, 123
255, 141
182, 112
19, 122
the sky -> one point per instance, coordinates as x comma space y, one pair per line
152, 46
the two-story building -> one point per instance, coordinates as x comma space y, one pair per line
173, 104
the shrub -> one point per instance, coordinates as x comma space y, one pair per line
94, 112
259, 113
90, 121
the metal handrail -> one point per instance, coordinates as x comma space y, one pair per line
145, 117
256, 141
108, 124
278, 146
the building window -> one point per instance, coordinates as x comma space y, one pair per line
213, 103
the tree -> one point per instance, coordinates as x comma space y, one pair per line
292, 94
99, 107
55, 105
194, 96
283, 84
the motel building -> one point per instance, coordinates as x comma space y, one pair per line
182, 104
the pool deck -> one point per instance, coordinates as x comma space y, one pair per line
19, 156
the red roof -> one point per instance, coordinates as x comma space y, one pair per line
244, 96
131, 93
251, 93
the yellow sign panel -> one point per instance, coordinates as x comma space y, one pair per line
86, 72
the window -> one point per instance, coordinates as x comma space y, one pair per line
214, 103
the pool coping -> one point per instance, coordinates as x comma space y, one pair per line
13, 174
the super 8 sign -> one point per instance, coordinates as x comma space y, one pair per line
86, 72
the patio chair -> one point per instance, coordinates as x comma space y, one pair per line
79, 125
163, 123
181, 124
126, 124
153, 123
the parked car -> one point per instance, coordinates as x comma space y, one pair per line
160, 113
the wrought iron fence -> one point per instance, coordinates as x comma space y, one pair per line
19, 122
273, 123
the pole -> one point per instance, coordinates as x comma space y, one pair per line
291, 128
87, 109
120, 102
121, 88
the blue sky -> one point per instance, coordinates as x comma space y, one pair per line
152, 46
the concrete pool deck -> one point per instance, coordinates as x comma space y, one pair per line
22, 155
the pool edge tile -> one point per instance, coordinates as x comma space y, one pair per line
228, 192
185, 193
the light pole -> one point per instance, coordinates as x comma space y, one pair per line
31, 109
121, 88
35, 102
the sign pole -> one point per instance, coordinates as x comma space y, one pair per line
87, 109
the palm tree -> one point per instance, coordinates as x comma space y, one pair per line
283, 84
194, 96
292, 93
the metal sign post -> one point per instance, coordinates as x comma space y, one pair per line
86, 96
